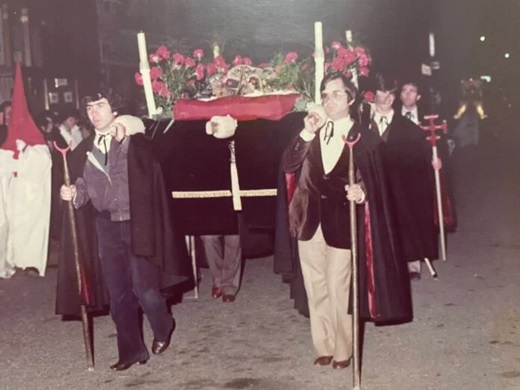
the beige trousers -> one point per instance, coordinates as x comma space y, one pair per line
326, 275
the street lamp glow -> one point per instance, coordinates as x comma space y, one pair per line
482, 38
506, 55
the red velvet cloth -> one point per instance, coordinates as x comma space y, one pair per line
242, 108
369, 264
290, 182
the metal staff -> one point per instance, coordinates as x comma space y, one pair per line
433, 138
355, 276
79, 271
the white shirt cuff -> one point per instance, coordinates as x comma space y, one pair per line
306, 136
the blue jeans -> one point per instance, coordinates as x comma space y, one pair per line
133, 283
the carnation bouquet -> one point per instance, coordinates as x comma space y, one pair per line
196, 76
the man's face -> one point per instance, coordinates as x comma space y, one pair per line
70, 122
409, 95
383, 101
100, 114
335, 100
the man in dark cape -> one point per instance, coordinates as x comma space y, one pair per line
407, 160
319, 218
141, 255
393, 306
156, 237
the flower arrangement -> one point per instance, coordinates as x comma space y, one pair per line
177, 76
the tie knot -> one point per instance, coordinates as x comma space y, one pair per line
408, 115
383, 120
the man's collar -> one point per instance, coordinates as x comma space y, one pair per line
389, 115
404, 109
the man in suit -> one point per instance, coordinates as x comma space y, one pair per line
120, 177
410, 97
319, 220
406, 157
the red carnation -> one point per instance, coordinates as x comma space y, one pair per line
363, 71
138, 78
178, 59
190, 63
162, 52
336, 45
290, 57
155, 73
247, 61
199, 72
237, 60
198, 54
154, 58
369, 96
211, 69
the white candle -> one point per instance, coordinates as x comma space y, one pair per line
144, 68
432, 44
319, 58
141, 44
348, 35
318, 35
216, 50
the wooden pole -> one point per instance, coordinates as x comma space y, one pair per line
356, 371
79, 274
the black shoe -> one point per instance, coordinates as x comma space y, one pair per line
415, 276
125, 366
159, 347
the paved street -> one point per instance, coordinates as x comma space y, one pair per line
465, 336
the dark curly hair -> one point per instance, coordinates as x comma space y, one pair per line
114, 99
350, 88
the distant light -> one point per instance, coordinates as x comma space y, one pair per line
486, 78
506, 55
482, 38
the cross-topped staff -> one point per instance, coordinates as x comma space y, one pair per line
437, 165
355, 275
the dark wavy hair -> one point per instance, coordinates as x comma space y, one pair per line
414, 82
350, 88
385, 82
113, 97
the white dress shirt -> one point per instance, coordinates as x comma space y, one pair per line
331, 143
382, 121
414, 114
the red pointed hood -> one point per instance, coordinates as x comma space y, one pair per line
21, 125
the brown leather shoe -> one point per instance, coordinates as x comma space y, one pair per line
216, 292
341, 364
228, 298
323, 361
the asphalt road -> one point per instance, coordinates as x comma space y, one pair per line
465, 335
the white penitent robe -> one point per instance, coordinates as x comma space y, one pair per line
25, 212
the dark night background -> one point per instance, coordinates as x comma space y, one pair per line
93, 40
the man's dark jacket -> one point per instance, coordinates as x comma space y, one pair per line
154, 235
406, 157
384, 283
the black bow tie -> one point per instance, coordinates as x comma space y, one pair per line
329, 132
408, 115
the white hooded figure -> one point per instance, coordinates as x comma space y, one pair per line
25, 191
